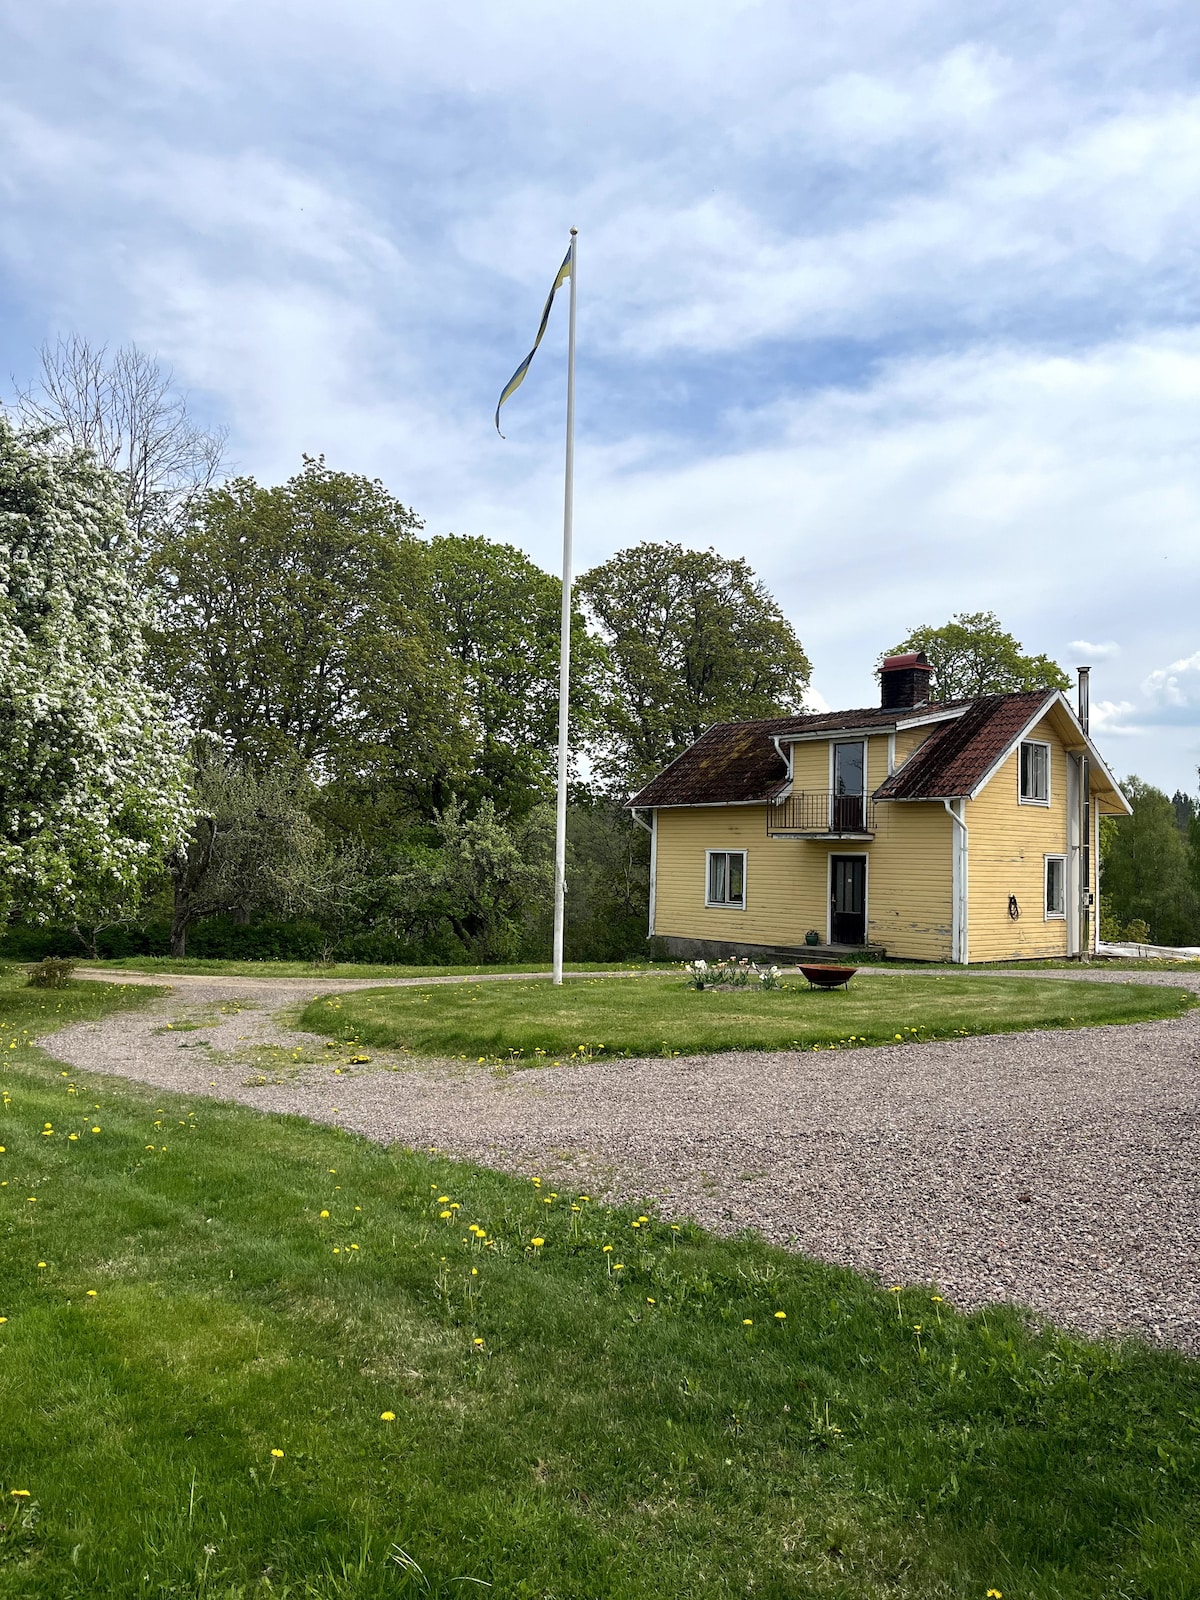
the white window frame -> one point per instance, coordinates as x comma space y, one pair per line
1048, 915
723, 905
1030, 800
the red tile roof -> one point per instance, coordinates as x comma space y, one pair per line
956, 756
737, 763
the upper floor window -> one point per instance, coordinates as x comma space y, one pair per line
726, 879
1035, 773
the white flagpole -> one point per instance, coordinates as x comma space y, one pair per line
564, 648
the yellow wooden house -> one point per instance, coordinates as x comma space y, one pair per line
962, 831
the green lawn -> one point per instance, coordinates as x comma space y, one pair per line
657, 1015
341, 969
244, 1356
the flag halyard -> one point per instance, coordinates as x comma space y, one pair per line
518, 377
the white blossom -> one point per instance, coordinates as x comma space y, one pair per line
92, 790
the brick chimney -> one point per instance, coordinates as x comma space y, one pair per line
904, 681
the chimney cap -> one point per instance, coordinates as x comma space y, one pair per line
914, 658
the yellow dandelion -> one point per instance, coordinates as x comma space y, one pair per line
19, 1494
650, 1302
608, 1249
324, 1213
387, 1416
618, 1266
278, 1454
537, 1243
92, 1294
95, 1130
41, 1263
71, 1137
781, 1316
747, 1322
3, 1319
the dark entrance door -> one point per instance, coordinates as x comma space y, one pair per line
848, 899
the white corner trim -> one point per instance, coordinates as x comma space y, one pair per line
653, 870
960, 899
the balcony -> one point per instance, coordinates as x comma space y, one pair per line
822, 814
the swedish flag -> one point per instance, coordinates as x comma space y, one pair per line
518, 377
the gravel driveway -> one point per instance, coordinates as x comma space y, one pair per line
1057, 1169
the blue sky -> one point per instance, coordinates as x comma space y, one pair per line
899, 301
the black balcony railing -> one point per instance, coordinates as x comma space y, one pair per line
820, 812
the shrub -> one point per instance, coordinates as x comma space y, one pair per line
52, 972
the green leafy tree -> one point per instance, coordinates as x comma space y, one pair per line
253, 846
92, 786
973, 655
293, 627
499, 616
608, 882
489, 879
694, 638
1146, 869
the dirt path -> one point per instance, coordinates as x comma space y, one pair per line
1059, 1169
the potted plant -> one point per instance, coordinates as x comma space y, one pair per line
812, 937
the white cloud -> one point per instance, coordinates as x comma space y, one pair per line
1086, 651
1113, 717
1081, 219
1176, 687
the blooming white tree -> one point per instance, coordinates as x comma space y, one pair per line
92, 786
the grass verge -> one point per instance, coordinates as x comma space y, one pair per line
659, 1015
246, 1357
341, 969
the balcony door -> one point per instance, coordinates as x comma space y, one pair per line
848, 899
849, 788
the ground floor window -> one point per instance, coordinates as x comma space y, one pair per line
1056, 886
726, 878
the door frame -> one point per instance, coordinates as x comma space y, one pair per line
864, 742
865, 857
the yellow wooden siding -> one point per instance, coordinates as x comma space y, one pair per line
810, 765
910, 881
909, 870
910, 739
785, 878
1009, 844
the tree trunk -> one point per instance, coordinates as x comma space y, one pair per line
189, 865
180, 921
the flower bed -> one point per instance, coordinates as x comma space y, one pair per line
731, 973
